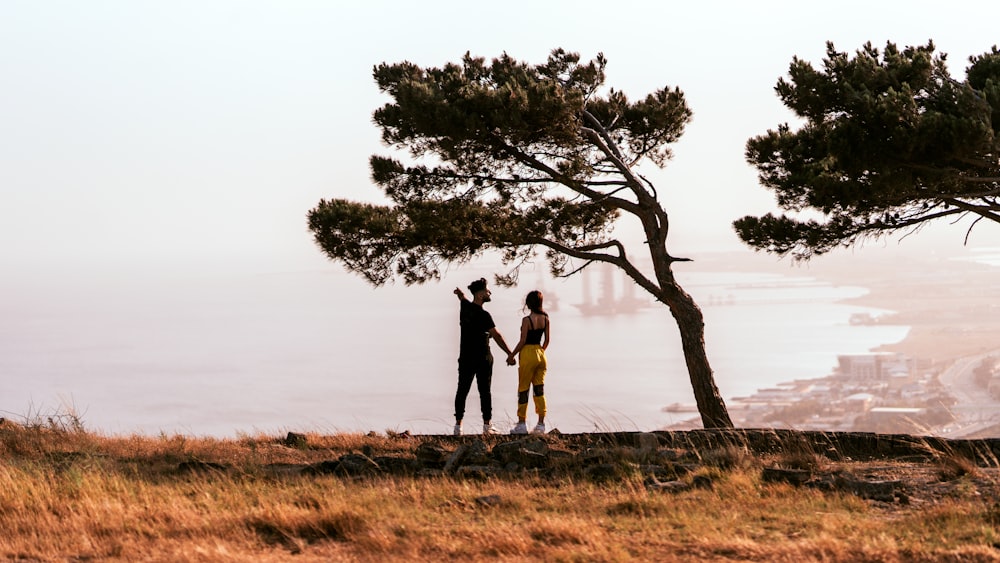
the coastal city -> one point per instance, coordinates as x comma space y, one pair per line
943, 379
885, 393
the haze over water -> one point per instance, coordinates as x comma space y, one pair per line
320, 351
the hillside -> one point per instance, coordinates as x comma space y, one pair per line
70, 495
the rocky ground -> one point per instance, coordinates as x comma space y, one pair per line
896, 472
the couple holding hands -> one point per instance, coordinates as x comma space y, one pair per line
475, 361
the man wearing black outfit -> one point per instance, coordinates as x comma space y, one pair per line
474, 358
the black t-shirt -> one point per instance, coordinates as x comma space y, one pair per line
476, 323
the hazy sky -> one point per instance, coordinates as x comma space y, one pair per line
198, 134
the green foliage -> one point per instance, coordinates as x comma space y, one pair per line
502, 155
888, 141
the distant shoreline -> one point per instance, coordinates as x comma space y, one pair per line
947, 302
947, 305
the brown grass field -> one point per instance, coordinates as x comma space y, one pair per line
70, 495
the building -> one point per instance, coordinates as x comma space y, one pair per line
874, 367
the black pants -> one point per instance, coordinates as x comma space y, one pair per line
482, 371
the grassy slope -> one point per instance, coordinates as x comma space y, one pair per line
66, 494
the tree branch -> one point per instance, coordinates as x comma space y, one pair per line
606, 183
581, 188
985, 212
578, 270
608, 142
608, 244
650, 185
978, 163
656, 234
610, 153
969, 232
619, 261
885, 225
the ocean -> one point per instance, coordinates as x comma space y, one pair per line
225, 355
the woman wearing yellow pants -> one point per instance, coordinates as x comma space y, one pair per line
530, 352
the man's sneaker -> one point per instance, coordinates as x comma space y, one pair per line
519, 428
488, 428
458, 429
539, 428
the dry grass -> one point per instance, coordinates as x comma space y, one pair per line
69, 495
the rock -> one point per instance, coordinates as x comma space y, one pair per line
596, 456
473, 453
884, 491
823, 482
455, 458
529, 453
781, 475
477, 453
431, 455
294, 440
532, 460
395, 465
602, 471
357, 465
647, 441
323, 468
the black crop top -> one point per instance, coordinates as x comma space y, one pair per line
535, 334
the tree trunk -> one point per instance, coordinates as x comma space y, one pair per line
691, 324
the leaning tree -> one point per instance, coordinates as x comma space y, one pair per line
512, 157
888, 142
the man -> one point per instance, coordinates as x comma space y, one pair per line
474, 358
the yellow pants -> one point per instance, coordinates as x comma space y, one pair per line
531, 373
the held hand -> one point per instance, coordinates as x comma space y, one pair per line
510, 360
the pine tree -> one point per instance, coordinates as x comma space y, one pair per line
518, 158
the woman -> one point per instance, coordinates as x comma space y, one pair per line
530, 351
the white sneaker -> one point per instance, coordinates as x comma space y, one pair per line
519, 428
539, 428
488, 428
458, 429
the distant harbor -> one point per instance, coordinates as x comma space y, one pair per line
607, 303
